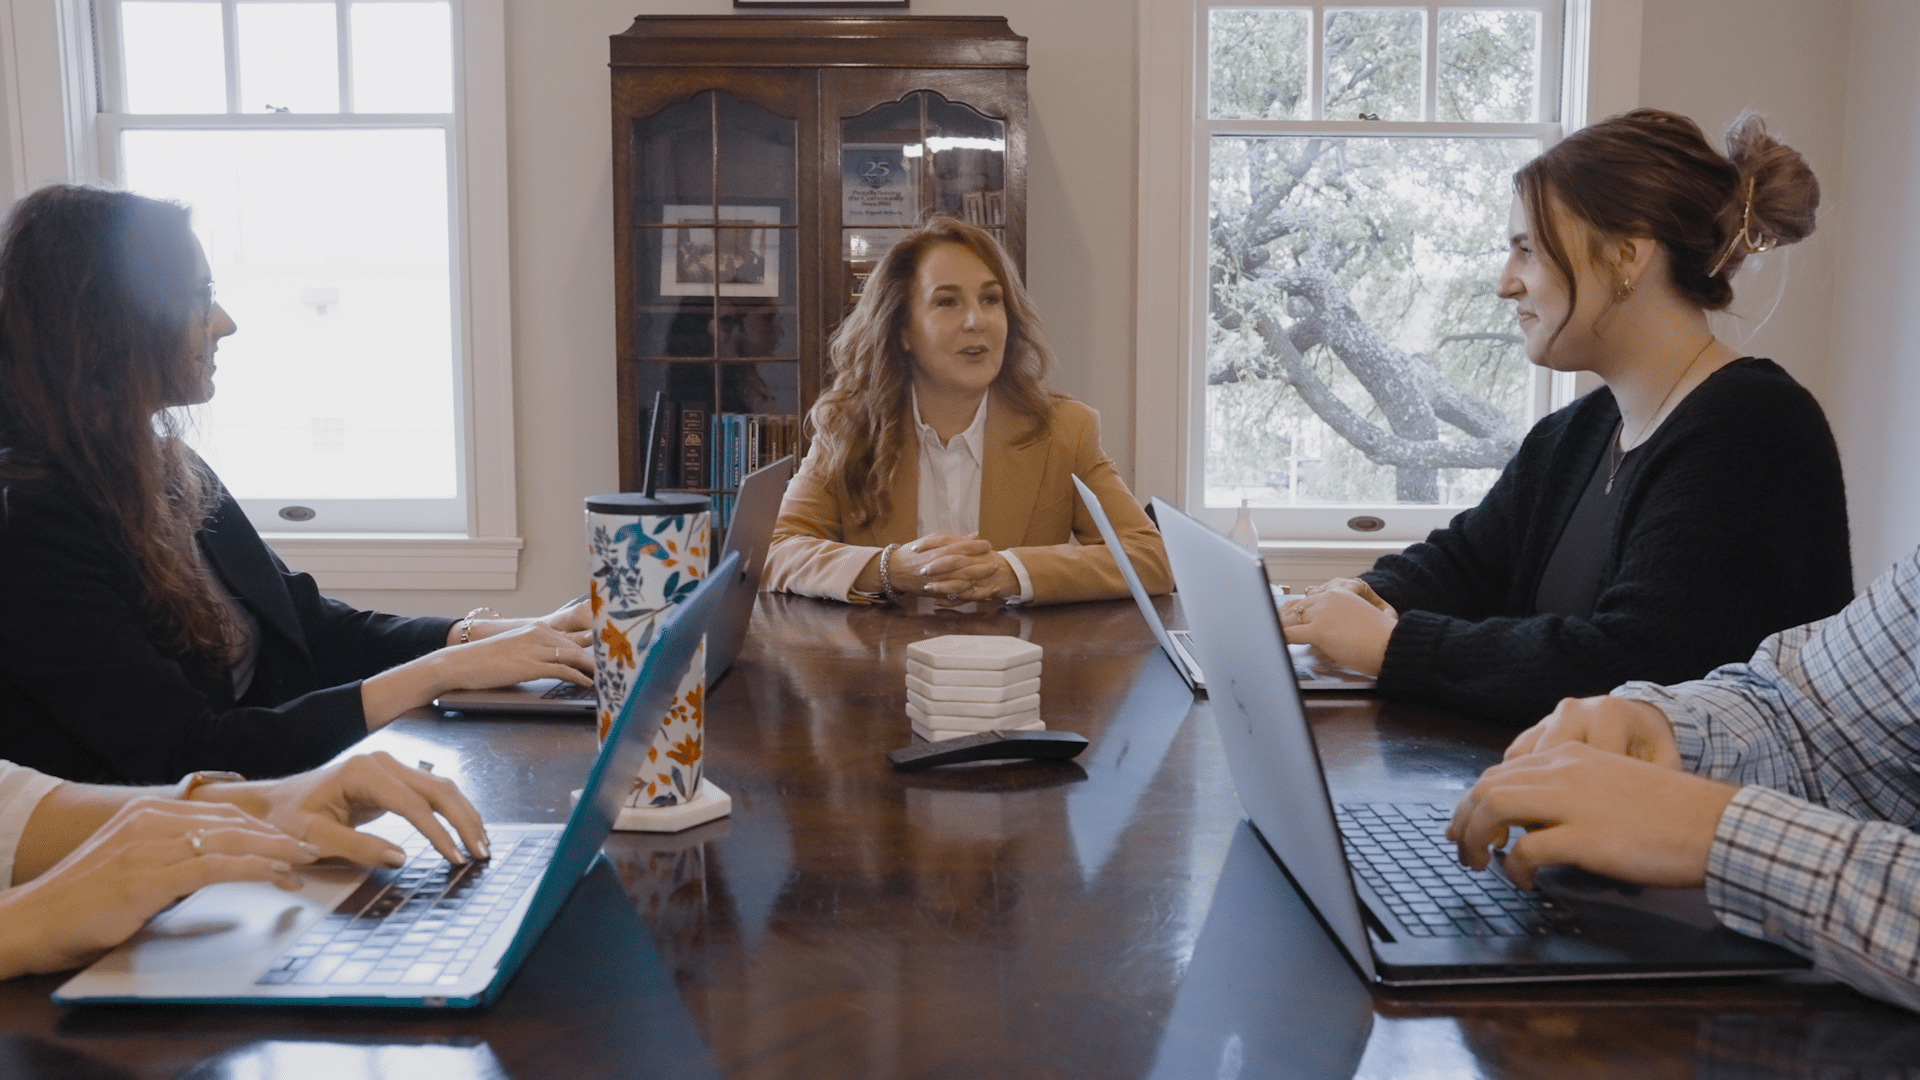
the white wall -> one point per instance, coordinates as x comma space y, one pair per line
1875, 399
1079, 262
1786, 59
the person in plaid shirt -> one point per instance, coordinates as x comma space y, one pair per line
1788, 785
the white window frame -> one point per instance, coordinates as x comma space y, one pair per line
67, 137
1599, 61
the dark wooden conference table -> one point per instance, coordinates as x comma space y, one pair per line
1110, 918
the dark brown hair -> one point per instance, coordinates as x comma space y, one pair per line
1652, 173
100, 308
861, 418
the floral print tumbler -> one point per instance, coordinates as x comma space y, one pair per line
646, 554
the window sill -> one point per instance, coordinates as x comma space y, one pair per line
1300, 563
340, 561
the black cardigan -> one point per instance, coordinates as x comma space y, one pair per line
88, 692
1734, 526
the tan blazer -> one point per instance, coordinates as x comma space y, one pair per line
1027, 504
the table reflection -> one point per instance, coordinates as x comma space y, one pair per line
30, 1057
961, 916
364, 1061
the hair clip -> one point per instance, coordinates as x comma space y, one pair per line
1756, 242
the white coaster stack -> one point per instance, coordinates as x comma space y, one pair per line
964, 684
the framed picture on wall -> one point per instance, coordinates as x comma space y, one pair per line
896, 4
735, 252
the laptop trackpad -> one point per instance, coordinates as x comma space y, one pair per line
222, 936
1584, 893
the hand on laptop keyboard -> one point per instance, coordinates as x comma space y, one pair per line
85, 893
424, 923
1401, 852
322, 807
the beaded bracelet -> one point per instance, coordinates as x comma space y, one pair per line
886, 578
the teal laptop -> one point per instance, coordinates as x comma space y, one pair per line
429, 934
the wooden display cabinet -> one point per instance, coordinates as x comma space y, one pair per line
761, 167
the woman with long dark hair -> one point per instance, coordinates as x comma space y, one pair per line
1660, 526
145, 629
941, 463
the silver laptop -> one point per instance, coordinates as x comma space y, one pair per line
427, 934
1376, 865
750, 533
1314, 671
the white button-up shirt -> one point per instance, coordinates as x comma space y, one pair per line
950, 485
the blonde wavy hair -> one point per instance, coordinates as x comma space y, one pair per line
860, 423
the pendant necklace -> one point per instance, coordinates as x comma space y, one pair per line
1618, 456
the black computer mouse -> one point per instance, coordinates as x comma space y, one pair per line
989, 746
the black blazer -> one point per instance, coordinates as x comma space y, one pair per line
89, 692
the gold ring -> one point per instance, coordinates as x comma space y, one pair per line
197, 841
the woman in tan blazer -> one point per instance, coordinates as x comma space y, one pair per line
941, 464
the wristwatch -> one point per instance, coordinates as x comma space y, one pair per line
184, 790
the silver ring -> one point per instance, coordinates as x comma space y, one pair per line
424, 766
197, 841
556, 654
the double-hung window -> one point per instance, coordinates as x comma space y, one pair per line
1351, 369
324, 148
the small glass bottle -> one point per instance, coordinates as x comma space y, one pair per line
1243, 532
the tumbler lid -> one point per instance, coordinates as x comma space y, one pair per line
636, 504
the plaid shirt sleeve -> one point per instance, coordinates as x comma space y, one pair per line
1822, 725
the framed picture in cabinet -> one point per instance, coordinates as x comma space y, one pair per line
879, 184
729, 249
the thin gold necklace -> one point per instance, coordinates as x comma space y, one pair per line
1618, 455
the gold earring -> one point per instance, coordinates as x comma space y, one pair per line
1623, 290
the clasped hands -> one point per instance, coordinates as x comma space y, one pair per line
1598, 784
952, 569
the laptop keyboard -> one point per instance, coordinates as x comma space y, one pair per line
1401, 852
423, 923
566, 691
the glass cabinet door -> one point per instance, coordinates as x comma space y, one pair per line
908, 159
716, 284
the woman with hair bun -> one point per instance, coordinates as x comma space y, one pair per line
1660, 526
942, 464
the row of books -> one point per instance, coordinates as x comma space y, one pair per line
715, 450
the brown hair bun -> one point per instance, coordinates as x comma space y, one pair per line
1784, 190
1652, 173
